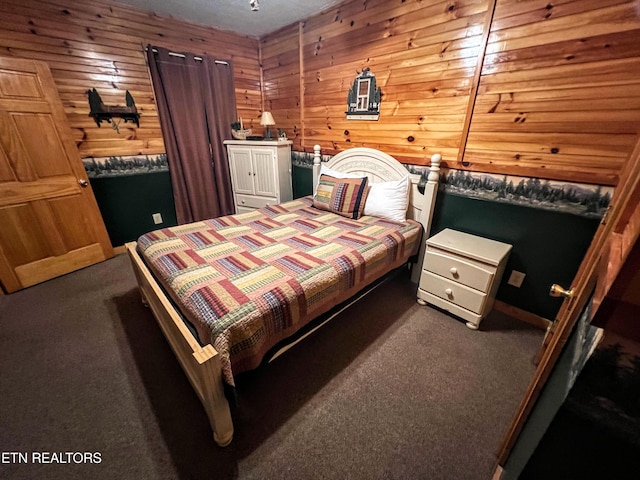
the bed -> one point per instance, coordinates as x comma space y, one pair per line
226, 291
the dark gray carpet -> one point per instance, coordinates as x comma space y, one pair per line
387, 390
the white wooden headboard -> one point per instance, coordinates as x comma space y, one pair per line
381, 167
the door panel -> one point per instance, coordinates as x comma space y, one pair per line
50, 224
45, 151
241, 170
6, 172
19, 84
73, 234
265, 169
21, 238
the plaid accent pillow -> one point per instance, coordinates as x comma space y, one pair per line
344, 196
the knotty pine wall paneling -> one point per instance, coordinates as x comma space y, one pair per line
423, 55
92, 44
280, 53
558, 96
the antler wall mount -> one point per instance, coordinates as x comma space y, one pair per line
101, 112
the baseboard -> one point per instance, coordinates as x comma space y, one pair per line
523, 315
119, 250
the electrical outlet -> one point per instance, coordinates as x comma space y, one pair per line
157, 218
516, 278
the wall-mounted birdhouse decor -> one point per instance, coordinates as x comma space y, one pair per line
363, 101
99, 111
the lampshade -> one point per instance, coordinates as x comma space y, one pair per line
267, 119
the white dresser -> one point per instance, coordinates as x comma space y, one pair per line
461, 274
260, 173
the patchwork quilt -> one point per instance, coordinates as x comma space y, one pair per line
247, 281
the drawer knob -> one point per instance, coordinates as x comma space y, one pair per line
454, 271
449, 292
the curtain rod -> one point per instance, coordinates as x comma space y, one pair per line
182, 55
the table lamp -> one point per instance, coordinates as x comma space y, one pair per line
268, 121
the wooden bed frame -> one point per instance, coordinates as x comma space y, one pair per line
202, 364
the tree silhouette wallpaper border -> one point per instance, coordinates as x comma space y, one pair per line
119, 166
576, 198
581, 199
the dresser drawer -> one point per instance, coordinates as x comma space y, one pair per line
251, 201
453, 292
468, 272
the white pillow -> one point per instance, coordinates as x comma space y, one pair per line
388, 200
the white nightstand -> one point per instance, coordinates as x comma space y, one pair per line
461, 274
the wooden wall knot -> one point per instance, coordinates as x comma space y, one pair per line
520, 118
494, 108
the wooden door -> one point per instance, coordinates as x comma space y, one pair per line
611, 244
49, 220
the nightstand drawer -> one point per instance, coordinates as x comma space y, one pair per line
468, 272
453, 292
471, 317
252, 201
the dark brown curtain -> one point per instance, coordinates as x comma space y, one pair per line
196, 104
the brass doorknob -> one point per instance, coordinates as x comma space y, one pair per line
83, 183
557, 291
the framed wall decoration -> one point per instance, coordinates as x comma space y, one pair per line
363, 100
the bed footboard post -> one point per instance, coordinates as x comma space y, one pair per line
201, 364
214, 400
317, 160
430, 193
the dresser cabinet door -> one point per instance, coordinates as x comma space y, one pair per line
241, 170
265, 172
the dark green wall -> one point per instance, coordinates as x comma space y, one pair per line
547, 246
128, 202
302, 180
